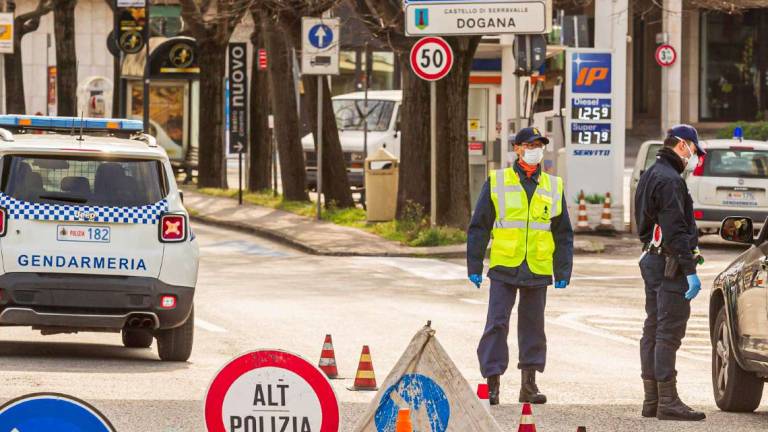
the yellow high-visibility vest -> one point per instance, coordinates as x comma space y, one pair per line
522, 230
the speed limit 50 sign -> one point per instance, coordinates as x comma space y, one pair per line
431, 58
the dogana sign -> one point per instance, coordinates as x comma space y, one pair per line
271, 391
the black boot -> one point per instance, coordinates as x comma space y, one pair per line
494, 382
671, 407
651, 401
529, 392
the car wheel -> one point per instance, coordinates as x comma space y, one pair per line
134, 338
735, 389
176, 344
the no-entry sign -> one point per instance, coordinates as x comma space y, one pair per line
271, 390
431, 58
666, 55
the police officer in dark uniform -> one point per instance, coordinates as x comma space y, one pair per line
666, 226
525, 212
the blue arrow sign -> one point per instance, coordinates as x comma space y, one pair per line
320, 36
51, 412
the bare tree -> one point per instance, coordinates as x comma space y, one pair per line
385, 20
260, 150
66, 57
287, 14
14, 73
211, 23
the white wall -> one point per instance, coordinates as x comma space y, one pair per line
93, 22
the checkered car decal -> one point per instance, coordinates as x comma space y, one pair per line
148, 214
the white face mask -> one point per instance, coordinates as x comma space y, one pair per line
533, 156
692, 160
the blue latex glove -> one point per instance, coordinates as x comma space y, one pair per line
476, 279
694, 286
561, 284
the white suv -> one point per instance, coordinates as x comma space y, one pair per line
93, 233
732, 179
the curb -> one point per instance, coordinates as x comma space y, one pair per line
303, 247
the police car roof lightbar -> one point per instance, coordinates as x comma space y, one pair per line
69, 123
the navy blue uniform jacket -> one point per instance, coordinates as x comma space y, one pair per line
479, 234
662, 198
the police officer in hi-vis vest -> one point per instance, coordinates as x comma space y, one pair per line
524, 211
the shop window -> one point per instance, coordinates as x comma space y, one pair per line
733, 66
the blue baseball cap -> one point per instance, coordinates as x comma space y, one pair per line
688, 133
530, 134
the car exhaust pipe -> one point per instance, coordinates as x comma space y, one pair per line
147, 323
134, 322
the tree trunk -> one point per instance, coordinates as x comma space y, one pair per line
453, 206
212, 170
66, 57
282, 88
414, 144
260, 152
14, 80
335, 180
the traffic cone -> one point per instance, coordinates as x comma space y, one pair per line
482, 394
365, 379
583, 223
606, 220
526, 420
328, 359
404, 421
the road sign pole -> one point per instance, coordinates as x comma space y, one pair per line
433, 151
319, 146
240, 177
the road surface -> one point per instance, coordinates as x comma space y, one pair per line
256, 294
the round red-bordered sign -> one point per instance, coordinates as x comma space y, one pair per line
431, 58
314, 398
666, 55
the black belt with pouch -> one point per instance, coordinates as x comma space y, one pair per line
672, 266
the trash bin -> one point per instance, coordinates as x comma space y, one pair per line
382, 173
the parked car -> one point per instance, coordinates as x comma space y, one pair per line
738, 320
383, 131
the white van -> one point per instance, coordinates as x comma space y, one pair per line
383, 130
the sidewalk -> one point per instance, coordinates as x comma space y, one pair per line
325, 238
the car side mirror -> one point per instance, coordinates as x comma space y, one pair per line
737, 229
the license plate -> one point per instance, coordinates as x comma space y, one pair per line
83, 233
740, 195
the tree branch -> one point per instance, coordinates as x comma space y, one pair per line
30, 21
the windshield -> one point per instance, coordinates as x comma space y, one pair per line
83, 181
736, 163
350, 113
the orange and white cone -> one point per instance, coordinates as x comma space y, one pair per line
484, 396
526, 420
365, 379
404, 421
606, 220
328, 359
582, 225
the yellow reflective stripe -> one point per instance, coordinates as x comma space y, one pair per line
540, 226
509, 224
500, 188
365, 375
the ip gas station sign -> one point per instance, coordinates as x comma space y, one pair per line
594, 134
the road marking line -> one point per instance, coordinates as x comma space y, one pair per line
473, 301
205, 325
571, 321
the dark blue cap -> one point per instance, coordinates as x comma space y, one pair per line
530, 134
688, 133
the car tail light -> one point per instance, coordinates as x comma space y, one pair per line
698, 214
3, 221
173, 228
699, 170
167, 302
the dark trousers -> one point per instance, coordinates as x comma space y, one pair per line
667, 312
493, 352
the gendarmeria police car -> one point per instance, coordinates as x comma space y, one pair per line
93, 233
